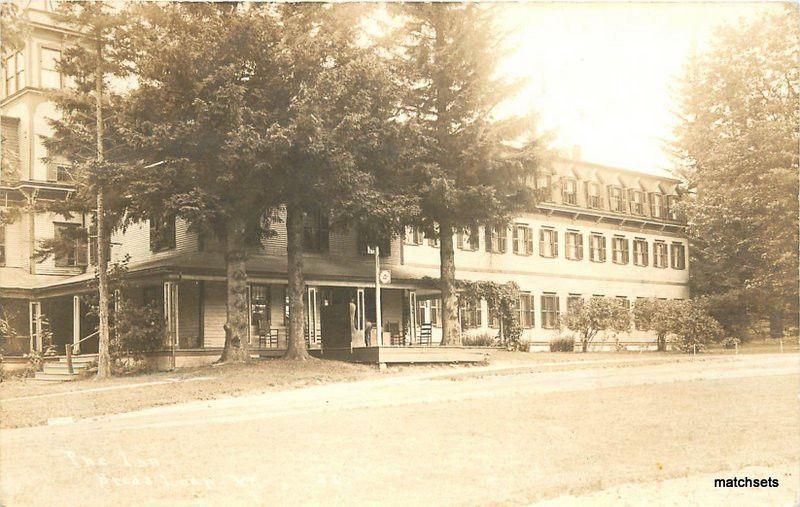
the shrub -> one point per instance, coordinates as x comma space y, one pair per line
687, 322
587, 317
136, 330
486, 339
562, 345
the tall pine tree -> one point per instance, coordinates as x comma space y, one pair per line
737, 148
84, 133
464, 172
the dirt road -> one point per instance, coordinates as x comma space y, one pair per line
476, 438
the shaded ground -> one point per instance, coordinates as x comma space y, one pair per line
498, 440
26, 402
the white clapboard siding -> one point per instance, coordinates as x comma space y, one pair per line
135, 242
214, 315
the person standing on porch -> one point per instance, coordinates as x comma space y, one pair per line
368, 333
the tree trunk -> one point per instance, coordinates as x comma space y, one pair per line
103, 354
776, 321
237, 344
451, 334
296, 347
662, 343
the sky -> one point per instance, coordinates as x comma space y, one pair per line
603, 76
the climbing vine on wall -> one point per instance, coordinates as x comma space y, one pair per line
501, 299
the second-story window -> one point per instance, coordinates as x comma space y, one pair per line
413, 236
496, 239
468, 239
2, 245
678, 256
550, 313
616, 200
593, 198
573, 245
365, 247
657, 208
316, 232
49, 75
569, 191
522, 239
640, 254
660, 254
597, 247
548, 242
14, 73
636, 198
619, 251
162, 233
70, 247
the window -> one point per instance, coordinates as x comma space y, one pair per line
471, 315
597, 247
550, 312
162, 233
522, 239
572, 300
548, 242
678, 256
615, 199
413, 236
593, 199
260, 309
670, 212
657, 208
364, 248
468, 239
619, 250
49, 75
660, 254
496, 239
433, 240
625, 302
70, 248
569, 191
636, 199
640, 254
315, 232
436, 312
573, 245
2, 245
14, 73
428, 312
526, 310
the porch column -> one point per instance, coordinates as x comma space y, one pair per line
412, 317
171, 316
35, 325
76, 324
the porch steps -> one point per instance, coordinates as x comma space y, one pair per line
58, 371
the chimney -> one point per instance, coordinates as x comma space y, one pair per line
576, 152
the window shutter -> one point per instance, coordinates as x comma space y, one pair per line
554, 242
579, 245
528, 240
586, 194
541, 242
488, 236
516, 240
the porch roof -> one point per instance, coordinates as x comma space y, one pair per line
16, 282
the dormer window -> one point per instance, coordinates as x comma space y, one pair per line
636, 200
569, 191
593, 199
657, 208
616, 201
